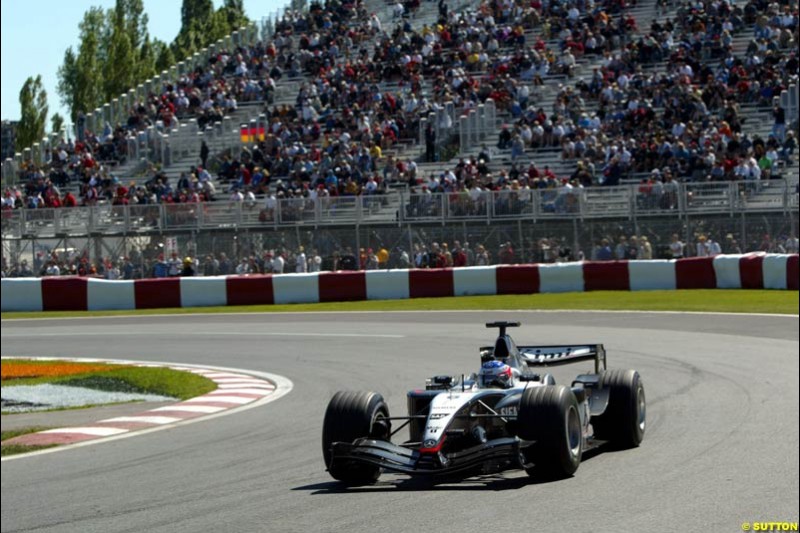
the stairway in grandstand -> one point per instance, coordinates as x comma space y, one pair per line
225, 136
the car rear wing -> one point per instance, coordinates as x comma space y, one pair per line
563, 355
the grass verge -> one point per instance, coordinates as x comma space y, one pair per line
13, 449
162, 381
712, 300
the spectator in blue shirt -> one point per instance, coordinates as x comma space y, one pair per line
605, 253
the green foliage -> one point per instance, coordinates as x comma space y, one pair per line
202, 26
121, 57
234, 14
57, 122
33, 112
80, 77
162, 381
68, 81
14, 449
164, 56
116, 52
10, 434
105, 383
146, 62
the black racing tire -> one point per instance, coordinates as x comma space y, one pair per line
623, 422
549, 416
351, 416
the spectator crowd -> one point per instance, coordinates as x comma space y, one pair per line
664, 102
152, 263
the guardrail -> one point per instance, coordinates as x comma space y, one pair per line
750, 271
402, 208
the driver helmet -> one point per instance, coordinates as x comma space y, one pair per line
495, 374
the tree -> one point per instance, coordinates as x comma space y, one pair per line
201, 25
121, 61
80, 76
33, 116
116, 52
217, 29
146, 65
196, 11
90, 63
234, 14
57, 122
68, 81
136, 23
164, 56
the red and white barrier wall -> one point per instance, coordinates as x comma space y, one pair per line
750, 271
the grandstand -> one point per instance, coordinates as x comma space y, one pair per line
543, 127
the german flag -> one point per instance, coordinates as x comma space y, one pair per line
250, 132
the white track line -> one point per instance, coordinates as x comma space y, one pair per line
89, 430
221, 399
179, 407
226, 389
159, 420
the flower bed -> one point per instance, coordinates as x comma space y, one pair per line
21, 369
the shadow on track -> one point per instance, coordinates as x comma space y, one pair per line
492, 482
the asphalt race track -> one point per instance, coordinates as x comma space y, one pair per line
721, 446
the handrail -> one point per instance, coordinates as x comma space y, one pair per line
627, 201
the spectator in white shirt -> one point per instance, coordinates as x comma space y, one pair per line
676, 247
278, 264
714, 248
301, 265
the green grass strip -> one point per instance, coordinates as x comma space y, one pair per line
711, 300
10, 434
14, 449
162, 381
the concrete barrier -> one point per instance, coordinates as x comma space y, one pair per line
203, 292
606, 276
249, 290
726, 271
104, 295
517, 279
748, 271
561, 277
695, 273
474, 281
387, 285
342, 286
295, 288
433, 283
655, 275
776, 273
23, 294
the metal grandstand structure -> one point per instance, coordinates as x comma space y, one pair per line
578, 218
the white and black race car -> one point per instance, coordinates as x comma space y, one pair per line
508, 415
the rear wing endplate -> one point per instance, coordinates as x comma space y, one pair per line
564, 355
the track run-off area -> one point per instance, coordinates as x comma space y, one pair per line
721, 446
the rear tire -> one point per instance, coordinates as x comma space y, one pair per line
624, 420
549, 416
351, 416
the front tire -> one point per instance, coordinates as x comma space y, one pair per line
549, 416
351, 416
624, 420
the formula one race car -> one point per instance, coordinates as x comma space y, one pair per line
506, 416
